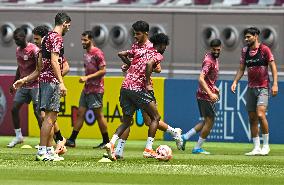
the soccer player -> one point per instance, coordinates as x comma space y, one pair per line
207, 95
134, 92
38, 33
51, 83
141, 29
26, 54
257, 57
92, 94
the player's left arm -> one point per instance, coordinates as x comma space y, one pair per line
149, 70
66, 67
157, 68
100, 73
273, 68
123, 55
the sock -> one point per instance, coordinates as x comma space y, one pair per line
171, 130
50, 150
74, 135
190, 133
199, 143
256, 142
265, 138
149, 143
114, 138
41, 150
105, 137
18, 132
58, 136
120, 147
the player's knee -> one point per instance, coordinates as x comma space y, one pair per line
261, 116
15, 110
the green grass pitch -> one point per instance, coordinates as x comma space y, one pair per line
227, 165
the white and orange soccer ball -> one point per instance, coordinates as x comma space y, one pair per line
164, 153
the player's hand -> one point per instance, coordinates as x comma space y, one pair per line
17, 84
274, 90
233, 87
83, 79
12, 89
63, 90
149, 87
214, 97
124, 68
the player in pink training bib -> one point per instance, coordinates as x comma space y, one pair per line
256, 57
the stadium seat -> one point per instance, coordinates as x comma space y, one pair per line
150, 2
179, 3
50, 1
279, 2
239, 2
202, 2
266, 2
86, 1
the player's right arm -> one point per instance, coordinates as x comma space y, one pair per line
123, 55
19, 83
214, 97
238, 76
17, 77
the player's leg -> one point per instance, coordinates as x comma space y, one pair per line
34, 93
20, 98
175, 132
97, 105
207, 111
262, 103
251, 106
71, 142
102, 125
208, 124
59, 140
45, 135
83, 104
151, 110
196, 129
128, 109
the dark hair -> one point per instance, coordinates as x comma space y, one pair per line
215, 43
61, 17
159, 38
20, 32
88, 33
141, 26
41, 30
252, 30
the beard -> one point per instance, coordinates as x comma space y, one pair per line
215, 55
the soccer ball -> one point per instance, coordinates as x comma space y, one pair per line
164, 153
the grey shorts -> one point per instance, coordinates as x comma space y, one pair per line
49, 97
24, 95
91, 101
131, 100
206, 108
256, 97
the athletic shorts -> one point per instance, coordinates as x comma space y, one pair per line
206, 108
131, 100
49, 97
256, 97
91, 101
24, 95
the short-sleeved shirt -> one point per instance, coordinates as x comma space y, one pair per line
93, 61
136, 75
53, 42
210, 69
257, 73
146, 45
27, 60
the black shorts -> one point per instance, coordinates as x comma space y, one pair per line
131, 100
206, 108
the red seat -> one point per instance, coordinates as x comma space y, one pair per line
248, 2
279, 2
202, 2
